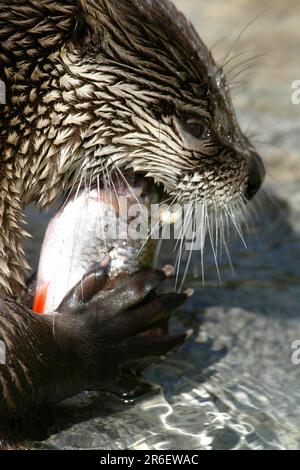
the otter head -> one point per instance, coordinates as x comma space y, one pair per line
97, 86
162, 104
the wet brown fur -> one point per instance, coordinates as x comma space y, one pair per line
108, 81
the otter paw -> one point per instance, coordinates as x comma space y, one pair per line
126, 316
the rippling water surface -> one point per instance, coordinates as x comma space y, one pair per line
233, 385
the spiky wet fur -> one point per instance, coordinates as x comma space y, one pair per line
95, 84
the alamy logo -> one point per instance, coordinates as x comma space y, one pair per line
2, 352
296, 93
296, 354
2, 92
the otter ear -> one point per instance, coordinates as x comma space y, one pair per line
82, 31
88, 20
96, 20
91, 21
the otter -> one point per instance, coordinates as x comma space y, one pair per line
92, 84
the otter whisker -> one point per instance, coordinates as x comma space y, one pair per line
106, 179
234, 57
245, 66
87, 190
183, 228
115, 191
215, 226
163, 227
187, 266
229, 257
109, 181
232, 218
193, 221
101, 218
244, 212
213, 247
178, 261
247, 62
158, 248
220, 228
222, 68
244, 29
183, 237
131, 190
149, 236
69, 194
158, 225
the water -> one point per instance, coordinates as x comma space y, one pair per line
233, 385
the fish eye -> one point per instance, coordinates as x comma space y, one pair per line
196, 127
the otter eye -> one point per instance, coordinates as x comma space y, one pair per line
196, 128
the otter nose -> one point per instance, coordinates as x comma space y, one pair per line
256, 176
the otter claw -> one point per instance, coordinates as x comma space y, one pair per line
155, 311
93, 282
142, 347
123, 317
129, 290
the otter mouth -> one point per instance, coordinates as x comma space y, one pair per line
128, 182
107, 220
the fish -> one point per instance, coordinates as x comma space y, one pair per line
90, 226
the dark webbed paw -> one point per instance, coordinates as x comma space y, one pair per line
125, 319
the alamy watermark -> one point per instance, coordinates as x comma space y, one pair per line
188, 223
296, 92
2, 352
296, 354
2, 92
